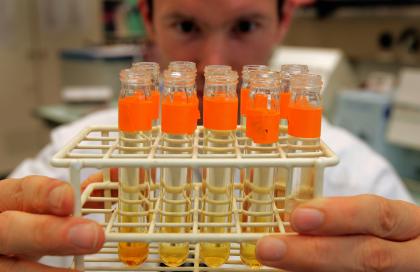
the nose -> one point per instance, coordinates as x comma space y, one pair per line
214, 51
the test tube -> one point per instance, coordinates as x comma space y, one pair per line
220, 120
188, 68
305, 115
262, 126
154, 70
216, 69
282, 175
135, 126
247, 72
287, 71
183, 66
179, 120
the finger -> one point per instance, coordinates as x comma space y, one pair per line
364, 214
17, 265
27, 234
98, 177
36, 194
345, 253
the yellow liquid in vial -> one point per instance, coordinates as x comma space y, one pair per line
248, 254
173, 254
215, 254
247, 250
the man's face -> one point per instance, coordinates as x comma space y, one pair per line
230, 32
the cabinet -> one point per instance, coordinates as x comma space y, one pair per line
32, 33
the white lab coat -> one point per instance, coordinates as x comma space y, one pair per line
360, 170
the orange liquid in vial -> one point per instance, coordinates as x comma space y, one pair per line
304, 120
133, 254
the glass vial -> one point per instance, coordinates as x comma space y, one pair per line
153, 69
262, 126
287, 71
135, 125
220, 120
179, 120
247, 72
305, 116
282, 175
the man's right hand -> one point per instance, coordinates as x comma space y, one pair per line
35, 220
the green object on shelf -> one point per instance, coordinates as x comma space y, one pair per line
134, 21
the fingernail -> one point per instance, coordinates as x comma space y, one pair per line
270, 249
56, 196
84, 235
304, 219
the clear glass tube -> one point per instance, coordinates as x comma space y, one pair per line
287, 71
216, 70
247, 72
282, 175
153, 69
179, 103
135, 138
259, 181
183, 66
220, 103
305, 116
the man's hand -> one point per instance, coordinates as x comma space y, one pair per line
361, 233
35, 221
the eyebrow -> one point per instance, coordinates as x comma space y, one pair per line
254, 16
176, 16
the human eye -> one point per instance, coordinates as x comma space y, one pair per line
244, 27
186, 27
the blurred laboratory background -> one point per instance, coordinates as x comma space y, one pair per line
59, 60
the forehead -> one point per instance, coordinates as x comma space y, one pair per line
215, 11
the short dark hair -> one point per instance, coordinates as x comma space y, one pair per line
280, 7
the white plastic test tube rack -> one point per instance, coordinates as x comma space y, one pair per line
97, 147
